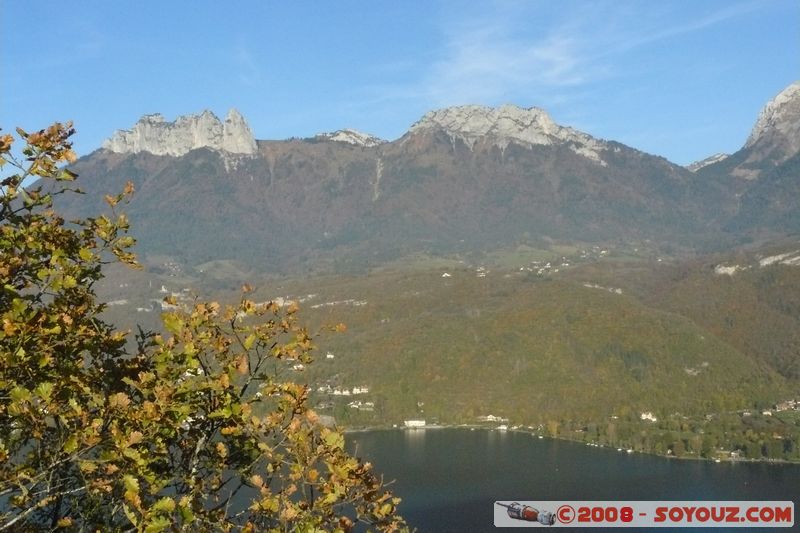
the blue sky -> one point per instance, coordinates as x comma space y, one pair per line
682, 79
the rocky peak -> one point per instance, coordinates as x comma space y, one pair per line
780, 116
710, 160
506, 124
353, 137
152, 133
776, 135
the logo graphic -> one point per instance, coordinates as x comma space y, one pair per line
527, 513
566, 514
663, 513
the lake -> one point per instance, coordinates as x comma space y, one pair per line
449, 479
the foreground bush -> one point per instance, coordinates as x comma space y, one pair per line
195, 430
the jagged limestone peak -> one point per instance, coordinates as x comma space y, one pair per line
781, 114
152, 133
776, 135
508, 123
354, 137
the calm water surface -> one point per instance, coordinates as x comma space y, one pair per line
449, 479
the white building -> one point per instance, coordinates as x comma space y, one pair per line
492, 418
414, 423
648, 416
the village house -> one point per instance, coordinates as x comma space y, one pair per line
648, 416
492, 418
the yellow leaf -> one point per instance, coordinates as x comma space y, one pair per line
222, 450
119, 400
135, 438
242, 364
249, 341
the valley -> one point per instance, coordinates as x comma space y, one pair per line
577, 346
489, 264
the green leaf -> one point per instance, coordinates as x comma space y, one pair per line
186, 513
134, 455
130, 483
44, 391
26, 199
72, 444
164, 505
66, 175
75, 406
330, 498
159, 523
220, 413
20, 394
334, 440
172, 322
130, 515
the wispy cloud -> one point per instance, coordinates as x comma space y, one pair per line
540, 54
487, 65
627, 36
246, 66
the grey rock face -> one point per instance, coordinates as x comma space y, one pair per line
509, 123
716, 158
152, 133
354, 137
776, 135
781, 116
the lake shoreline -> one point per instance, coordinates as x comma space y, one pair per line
475, 427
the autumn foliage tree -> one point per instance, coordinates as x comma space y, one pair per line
196, 429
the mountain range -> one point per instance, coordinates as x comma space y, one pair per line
513, 267
461, 180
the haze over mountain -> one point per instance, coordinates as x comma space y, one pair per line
461, 179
